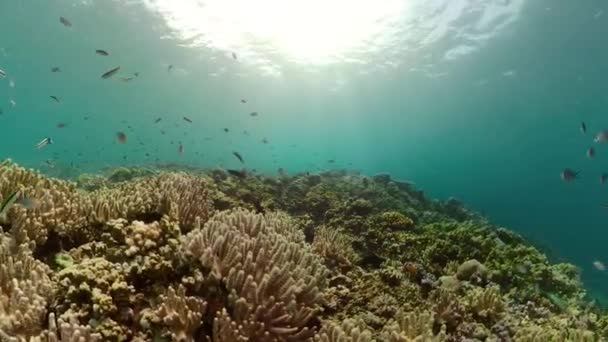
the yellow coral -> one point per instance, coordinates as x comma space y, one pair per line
413, 327
182, 314
486, 303
347, 331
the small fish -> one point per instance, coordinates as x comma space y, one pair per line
599, 265
601, 137
65, 21
127, 79
238, 156
6, 203
226, 130
2, 73
12, 102
169, 68
49, 163
583, 127
234, 56
281, 172
590, 152
243, 101
331, 161
180, 149
157, 120
11, 83
121, 137
27, 202
237, 173
44, 142
55, 69
264, 141
569, 175
253, 113
603, 178
136, 74
162, 132
187, 119
55, 98
60, 125
1, 111
110, 73
102, 52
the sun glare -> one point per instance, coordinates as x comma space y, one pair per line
310, 31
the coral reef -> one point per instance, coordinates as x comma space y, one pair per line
169, 254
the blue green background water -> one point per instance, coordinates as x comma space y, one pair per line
480, 100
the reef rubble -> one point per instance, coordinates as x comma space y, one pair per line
202, 255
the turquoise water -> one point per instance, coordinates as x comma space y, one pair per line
480, 100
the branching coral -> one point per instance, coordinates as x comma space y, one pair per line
486, 304
335, 247
347, 331
25, 290
182, 314
413, 327
274, 280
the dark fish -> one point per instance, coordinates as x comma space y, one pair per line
6, 202
110, 73
243, 101
569, 175
1, 111
121, 137
237, 173
187, 119
65, 21
265, 141
238, 156
253, 113
331, 161
583, 127
55, 69
157, 120
102, 52
60, 125
55, 98
234, 55
281, 172
603, 178
590, 152
226, 130
86, 118
162, 132
169, 68
136, 74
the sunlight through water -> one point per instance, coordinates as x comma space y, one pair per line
320, 32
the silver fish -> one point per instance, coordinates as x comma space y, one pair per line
2, 73
601, 137
110, 73
44, 142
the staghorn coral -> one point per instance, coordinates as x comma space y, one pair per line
25, 290
347, 331
413, 327
181, 314
274, 280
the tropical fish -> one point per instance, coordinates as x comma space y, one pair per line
60, 125
590, 152
55, 69
583, 127
180, 149
102, 52
44, 142
234, 55
569, 175
253, 113
243, 101
601, 137
121, 137
226, 130
157, 120
599, 265
6, 203
187, 119
237, 173
65, 21
110, 72
55, 98
2, 73
238, 156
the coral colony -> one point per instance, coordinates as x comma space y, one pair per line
203, 255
